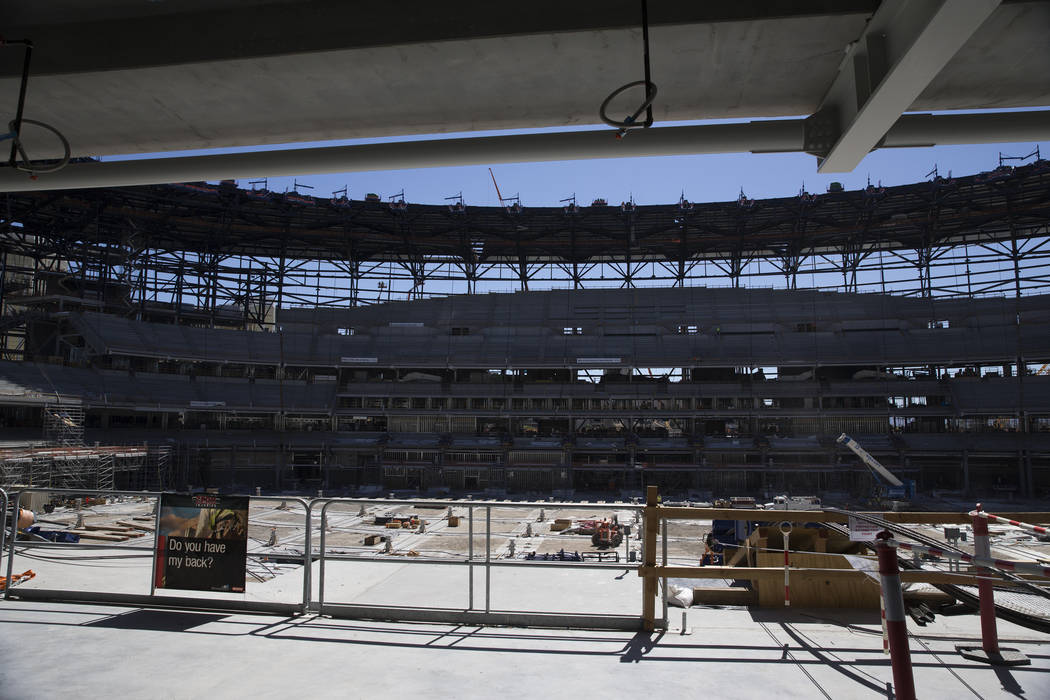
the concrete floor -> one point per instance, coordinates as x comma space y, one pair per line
730, 653
735, 652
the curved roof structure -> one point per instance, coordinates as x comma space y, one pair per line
207, 219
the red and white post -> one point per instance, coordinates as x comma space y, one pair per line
785, 529
882, 614
896, 627
989, 651
981, 548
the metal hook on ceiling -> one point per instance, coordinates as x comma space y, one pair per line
631, 121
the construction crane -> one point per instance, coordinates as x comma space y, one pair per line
893, 487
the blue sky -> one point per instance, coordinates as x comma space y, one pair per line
702, 178
650, 181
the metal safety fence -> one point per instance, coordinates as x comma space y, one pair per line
463, 602
28, 547
467, 583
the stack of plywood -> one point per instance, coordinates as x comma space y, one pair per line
108, 533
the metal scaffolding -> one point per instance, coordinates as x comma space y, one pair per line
95, 467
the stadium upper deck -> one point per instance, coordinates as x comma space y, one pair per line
705, 388
247, 329
685, 327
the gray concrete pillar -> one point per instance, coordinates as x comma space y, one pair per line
966, 472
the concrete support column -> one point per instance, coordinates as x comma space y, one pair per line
966, 472
326, 461
1030, 477
281, 462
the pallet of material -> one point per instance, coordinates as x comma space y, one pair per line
114, 530
561, 524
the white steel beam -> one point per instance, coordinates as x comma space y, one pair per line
772, 136
903, 48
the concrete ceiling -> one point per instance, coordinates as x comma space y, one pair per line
123, 76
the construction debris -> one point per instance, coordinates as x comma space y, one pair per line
16, 579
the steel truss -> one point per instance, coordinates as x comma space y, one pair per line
216, 255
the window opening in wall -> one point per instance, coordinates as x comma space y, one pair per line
659, 428
670, 374
1040, 424
984, 424
688, 330
601, 427
593, 376
307, 466
938, 324
346, 331
572, 330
